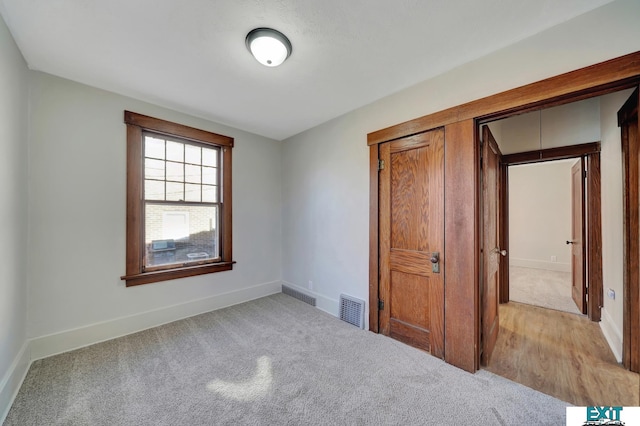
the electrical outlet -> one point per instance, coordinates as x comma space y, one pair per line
611, 293
554, 258
310, 285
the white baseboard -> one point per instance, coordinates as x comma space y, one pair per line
612, 334
44, 346
324, 303
12, 380
540, 264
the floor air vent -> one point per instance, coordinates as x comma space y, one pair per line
299, 295
352, 310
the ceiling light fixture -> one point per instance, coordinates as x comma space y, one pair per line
268, 46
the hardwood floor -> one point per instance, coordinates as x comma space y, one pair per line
563, 355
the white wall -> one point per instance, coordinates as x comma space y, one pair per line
325, 169
13, 213
325, 212
612, 216
570, 124
540, 215
77, 209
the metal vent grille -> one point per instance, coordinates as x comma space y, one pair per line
352, 310
299, 295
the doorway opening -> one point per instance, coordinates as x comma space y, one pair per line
583, 140
545, 240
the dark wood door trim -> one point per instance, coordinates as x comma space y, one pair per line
595, 80
560, 153
629, 122
594, 237
374, 256
504, 231
579, 292
461, 265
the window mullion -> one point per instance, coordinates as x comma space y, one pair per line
165, 169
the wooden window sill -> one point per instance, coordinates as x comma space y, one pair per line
172, 274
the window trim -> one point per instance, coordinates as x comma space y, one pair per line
136, 125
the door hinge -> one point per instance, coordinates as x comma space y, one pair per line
380, 305
380, 164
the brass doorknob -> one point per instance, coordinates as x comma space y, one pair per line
435, 257
502, 252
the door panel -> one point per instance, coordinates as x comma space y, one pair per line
491, 251
411, 200
408, 318
578, 282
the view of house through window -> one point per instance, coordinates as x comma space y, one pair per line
181, 196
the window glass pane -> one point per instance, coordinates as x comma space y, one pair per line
209, 194
153, 169
180, 234
192, 173
175, 171
210, 157
153, 190
175, 224
192, 154
192, 192
175, 191
175, 151
210, 175
153, 147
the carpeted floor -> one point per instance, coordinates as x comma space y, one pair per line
540, 287
272, 361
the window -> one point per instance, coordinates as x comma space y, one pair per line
178, 201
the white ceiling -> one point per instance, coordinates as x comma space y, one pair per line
190, 55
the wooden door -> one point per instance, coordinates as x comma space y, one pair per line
411, 235
578, 281
628, 120
491, 251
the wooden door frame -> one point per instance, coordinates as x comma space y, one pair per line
631, 231
592, 258
582, 187
503, 291
461, 203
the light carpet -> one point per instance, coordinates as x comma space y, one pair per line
272, 361
540, 287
